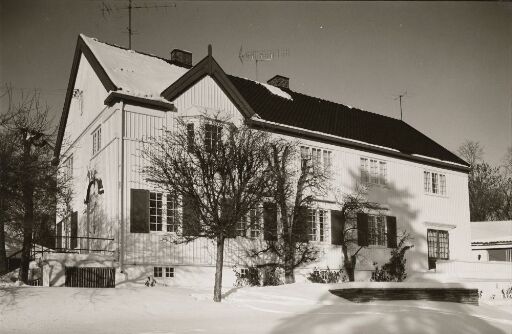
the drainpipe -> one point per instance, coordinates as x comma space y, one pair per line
121, 225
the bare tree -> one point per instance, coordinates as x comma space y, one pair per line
31, 177
219, 172
486, 191
471, 151
297, 180
351, 237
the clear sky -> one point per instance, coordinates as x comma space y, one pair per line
454, 59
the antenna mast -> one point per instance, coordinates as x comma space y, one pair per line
261, 55
399, 97
107, 10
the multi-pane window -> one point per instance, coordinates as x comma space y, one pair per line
157, 271
96, 140
155, 211
321, 224
212, 136
172, 210
438, 246
317, 225
434, 183
169, 272
255, 223
68, 168
373, 171
312, 225
241, 227
319, 158
377, 230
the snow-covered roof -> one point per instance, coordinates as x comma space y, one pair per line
491, 231
132, 72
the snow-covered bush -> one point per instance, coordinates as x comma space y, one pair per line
272, 276
394, 269
249, 276
327, 276
507, 293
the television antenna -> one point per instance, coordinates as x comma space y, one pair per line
400, 97
107, 9
258, 56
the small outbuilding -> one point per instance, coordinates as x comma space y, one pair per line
492, 240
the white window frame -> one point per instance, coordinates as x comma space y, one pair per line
434, 183
320, 157
172, 214
377, 237
373, 171
156, 218
318, 225
96, 140
67, 168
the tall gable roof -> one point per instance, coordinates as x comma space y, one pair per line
284, 106
133, 72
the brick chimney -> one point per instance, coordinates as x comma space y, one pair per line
181, 58
279, 81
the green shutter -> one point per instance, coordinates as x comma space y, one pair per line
74, 229
391, 231
270, 221
362, 229
191, 223
336, 228
139, 211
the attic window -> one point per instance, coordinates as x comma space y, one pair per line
78, 96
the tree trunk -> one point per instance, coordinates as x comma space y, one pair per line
217, 290
28, 218
349, 263
3, 256
289, 275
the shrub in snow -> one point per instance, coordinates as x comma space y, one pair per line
272, 276
394, 269
507, 294
247, 276
327, 276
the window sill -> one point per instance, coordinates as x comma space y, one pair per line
436, 195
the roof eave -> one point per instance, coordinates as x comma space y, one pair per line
303, 133
117, 96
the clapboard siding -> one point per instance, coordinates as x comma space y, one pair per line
403, 198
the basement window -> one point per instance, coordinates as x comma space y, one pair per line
157, 272
169, 272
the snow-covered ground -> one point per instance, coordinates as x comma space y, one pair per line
296, 308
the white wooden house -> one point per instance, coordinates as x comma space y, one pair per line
118, 97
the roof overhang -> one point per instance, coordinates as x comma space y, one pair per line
114, 97
331, 139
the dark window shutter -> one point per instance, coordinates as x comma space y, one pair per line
362, 229
190, 136
191, 224
225, 215
270, 221
391, 231
300, 226
139, 211
74, 229
58, 240
336, 228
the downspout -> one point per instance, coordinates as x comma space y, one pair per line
122, 244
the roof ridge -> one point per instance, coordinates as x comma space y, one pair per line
170, 62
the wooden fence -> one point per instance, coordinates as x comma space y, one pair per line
90, 277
